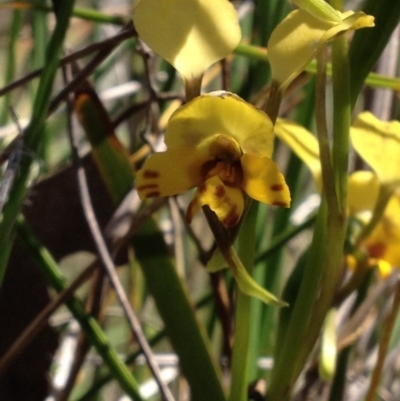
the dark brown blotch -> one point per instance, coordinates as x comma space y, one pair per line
279, 203
150, 174
148, 186
276, 187
220, 191
231, 219
153, 194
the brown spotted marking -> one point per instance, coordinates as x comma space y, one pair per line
150, 174
219, 191
279, 203
147, 186
153, 194
377, 250
276, 187
232, 218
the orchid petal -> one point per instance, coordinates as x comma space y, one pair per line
293, 44
226, 202
227, 114
263, 181
189, 34
351, 22
171, 172
300, 36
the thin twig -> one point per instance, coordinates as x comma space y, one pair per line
109, 266
88, 69
107, 43
134, 108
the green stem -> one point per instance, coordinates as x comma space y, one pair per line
325, 156
79, 12
292, 344
327, 247
372, 79
336, 218
342, 118
240, 357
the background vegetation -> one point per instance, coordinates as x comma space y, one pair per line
102, 294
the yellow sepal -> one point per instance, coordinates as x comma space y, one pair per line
189, 34
378, 143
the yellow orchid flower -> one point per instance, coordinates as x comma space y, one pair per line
383, 243
189, 34
223, 146
302, 34
378, 143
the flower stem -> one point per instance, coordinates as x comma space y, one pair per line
240, 357
342, 118
336, 216
292, 344
322, 132
192, 88
274, 101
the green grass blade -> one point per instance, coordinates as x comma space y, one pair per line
32, 135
